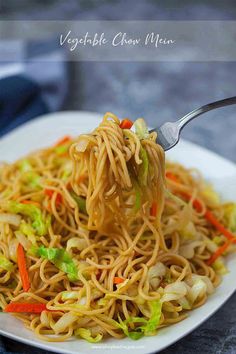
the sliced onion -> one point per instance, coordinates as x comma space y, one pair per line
12, 219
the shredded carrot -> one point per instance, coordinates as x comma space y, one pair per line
25, 307
219, 252
66, 139
50, 192
118, 280
211, 218
81, 179
21, 261
172, 177
126, 124
31, 202
153, 210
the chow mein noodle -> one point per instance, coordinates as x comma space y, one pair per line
100, 237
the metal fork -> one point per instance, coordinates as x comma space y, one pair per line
168, 134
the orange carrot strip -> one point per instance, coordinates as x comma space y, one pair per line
212, 219
25, 307
31, 202
21, 261
218, 252
118, 280
126, 124
50, 192
153, 210
66, 139
172, 177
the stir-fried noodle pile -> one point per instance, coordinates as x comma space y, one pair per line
99, 237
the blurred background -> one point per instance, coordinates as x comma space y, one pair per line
157, 91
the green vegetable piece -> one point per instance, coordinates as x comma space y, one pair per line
28, 230
80, 201
25, 166
6, 264
141, 129
143, 169
148, 327
61, 259
29, 176
35, 214
86, 334
154, 320
137, 204
61, 149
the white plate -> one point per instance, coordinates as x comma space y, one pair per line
46, 130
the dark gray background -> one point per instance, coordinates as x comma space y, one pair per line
158, 92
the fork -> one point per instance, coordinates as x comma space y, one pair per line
168, 134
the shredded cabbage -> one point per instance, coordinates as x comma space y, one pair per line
29, 176
25, 165
174, 291
141, 129
184, 303
188, 231
11, 219
198, 289
137, 204
148, 327
61, 149
23, 240
38, 222
76, 242
219, 266
198, 286
187, 250
80, 201
155, 273
61, 259
87, 335
68, 295
211, 245
210, 195
28, 231
143, 168
65, 321
5, 263
230, 215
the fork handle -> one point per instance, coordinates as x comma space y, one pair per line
208, 107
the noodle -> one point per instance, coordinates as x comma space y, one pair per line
116, 240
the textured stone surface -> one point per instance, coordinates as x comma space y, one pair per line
158, 92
